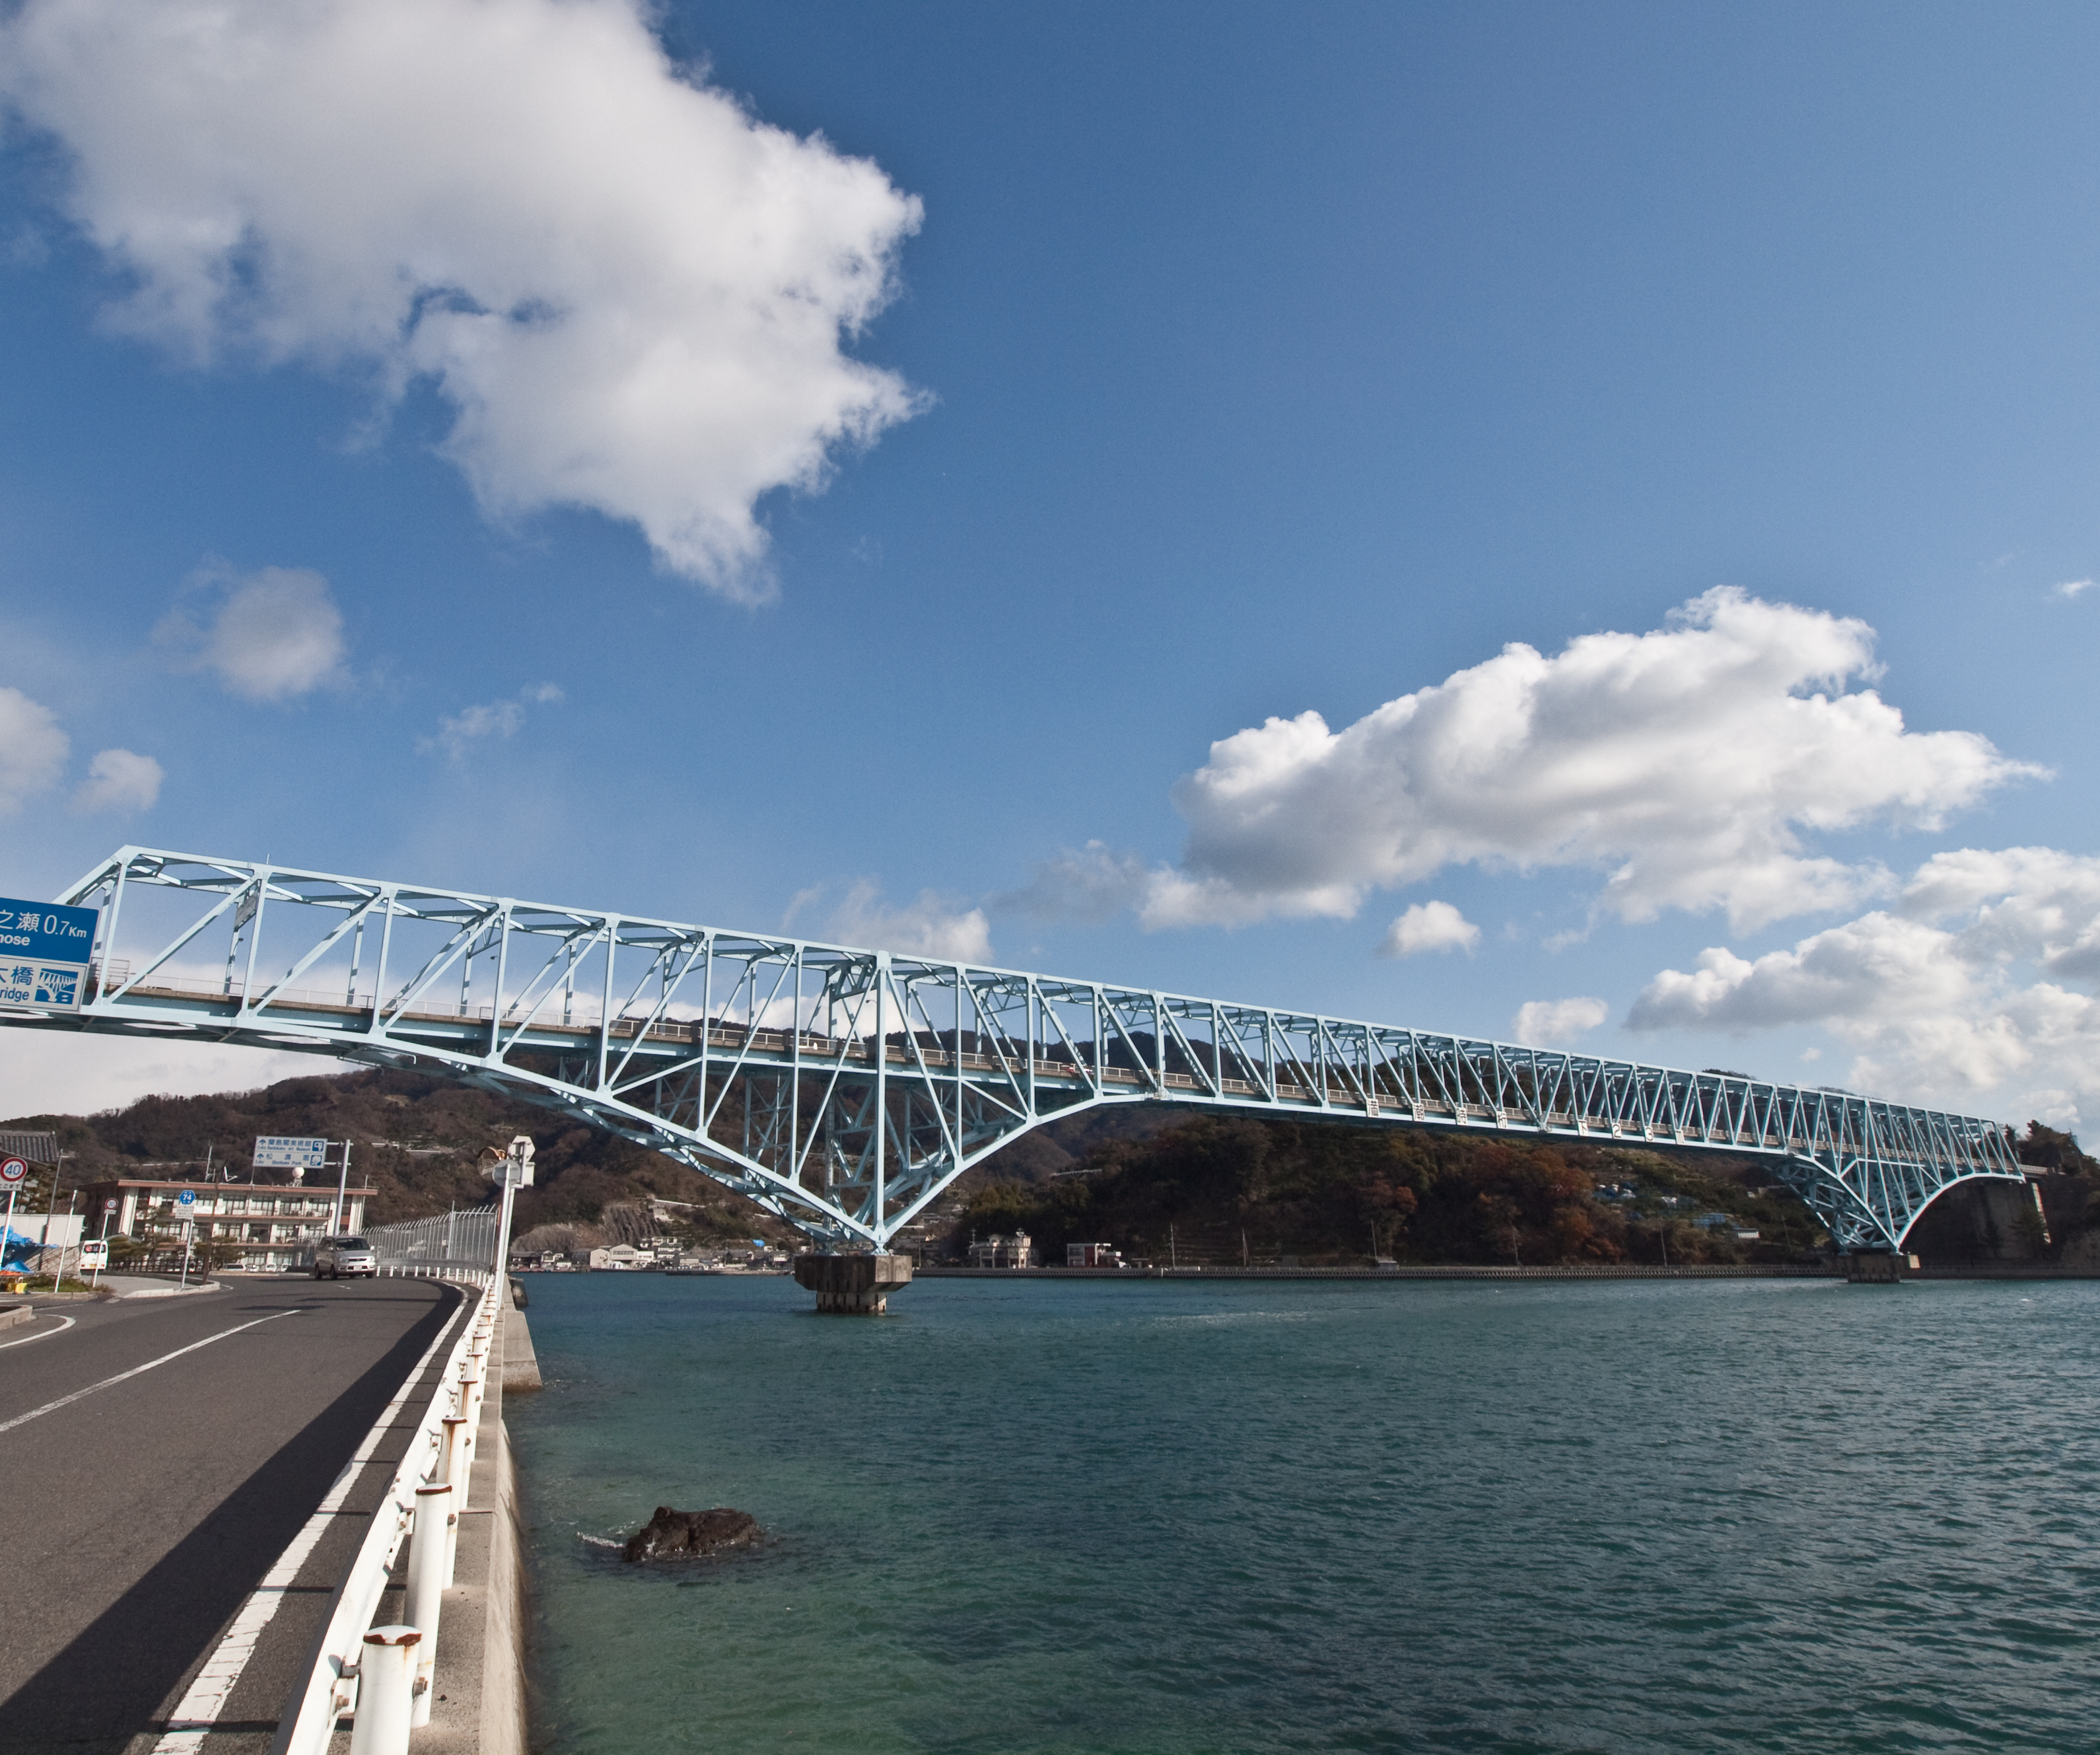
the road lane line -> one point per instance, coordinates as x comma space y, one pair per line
191, 1722
67, 1401
65, 1323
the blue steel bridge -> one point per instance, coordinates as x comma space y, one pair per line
843, 1090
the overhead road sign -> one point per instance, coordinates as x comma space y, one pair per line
288, 1152
45, 950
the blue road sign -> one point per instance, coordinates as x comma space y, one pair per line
44, 952
187, 1197
44, 932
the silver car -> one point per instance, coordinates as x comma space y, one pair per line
334, 1257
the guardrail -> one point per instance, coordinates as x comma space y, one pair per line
451, 1245
386, 1675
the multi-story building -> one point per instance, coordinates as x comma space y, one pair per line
274, 1225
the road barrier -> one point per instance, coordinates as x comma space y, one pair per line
451, 1246
386, 1675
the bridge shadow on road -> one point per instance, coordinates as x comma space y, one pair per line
114, 1682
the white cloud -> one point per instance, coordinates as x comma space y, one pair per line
2073, 587
932, 927
1688, 763
118, 780
632, 293
1090, 885
1545, 1022
1429, 926
274, 634
1978, 981
496, 718
33, 749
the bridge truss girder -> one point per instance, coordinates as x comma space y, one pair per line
845, 1089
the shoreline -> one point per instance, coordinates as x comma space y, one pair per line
1601, 1270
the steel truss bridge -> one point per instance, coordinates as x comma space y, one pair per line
845, 1089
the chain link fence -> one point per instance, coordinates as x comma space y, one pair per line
433, 1248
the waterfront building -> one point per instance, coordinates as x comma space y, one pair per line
1016, 1251
274, 1225
1092, 1255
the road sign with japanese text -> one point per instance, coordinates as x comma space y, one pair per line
288, 1152
44, 954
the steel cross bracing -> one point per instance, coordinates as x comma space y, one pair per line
845, 1089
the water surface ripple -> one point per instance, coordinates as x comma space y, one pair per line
1164, 1517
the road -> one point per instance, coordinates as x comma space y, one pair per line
142, 1496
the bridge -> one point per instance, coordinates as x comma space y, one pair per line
845, 1089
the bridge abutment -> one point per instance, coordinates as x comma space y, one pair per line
852, 1285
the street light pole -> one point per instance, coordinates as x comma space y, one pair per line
341, 1192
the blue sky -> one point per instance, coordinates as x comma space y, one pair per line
385, 478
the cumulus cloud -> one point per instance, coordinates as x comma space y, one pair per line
33, 749
1089, 885
1980, 978
1429, 926
2073, 587
933, 926
272, 635
119, 780
496, 718
1546, 1023
1689, 764
632, 293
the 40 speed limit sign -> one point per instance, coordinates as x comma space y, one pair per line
11, 1172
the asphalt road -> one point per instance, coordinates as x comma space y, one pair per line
137, 1515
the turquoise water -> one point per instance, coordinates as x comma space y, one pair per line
1164, 1517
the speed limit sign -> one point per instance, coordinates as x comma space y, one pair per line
109, 1206
13, 1171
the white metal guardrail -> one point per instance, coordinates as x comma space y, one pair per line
451, 1245
390, 1670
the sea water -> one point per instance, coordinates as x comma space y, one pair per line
1159, 1516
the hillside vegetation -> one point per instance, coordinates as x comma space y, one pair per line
1157, 1183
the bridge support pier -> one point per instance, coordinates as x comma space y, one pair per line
852, 1285
1876, 1268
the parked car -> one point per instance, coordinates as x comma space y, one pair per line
334, 1257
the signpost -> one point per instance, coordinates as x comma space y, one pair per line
187, 1200
289, 1151
44, 952
11, 1172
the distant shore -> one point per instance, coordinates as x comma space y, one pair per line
1610, 1271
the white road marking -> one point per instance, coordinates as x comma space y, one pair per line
67, 1401
65, 1323
191, 1722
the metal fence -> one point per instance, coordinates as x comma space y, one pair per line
434, 1249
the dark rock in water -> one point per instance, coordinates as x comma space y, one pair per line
687, 1534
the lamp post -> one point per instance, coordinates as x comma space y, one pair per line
341, 1189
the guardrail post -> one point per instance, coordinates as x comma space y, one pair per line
429, 1546
386, 1688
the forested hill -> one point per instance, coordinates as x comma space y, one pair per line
416, 1140
1155, 1183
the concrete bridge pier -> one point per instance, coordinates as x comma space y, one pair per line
1877, 1267
852, 1285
